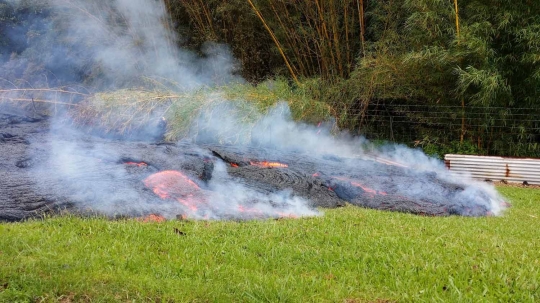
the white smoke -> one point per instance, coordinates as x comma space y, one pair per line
131, 39
120, 42
228, 197
278, 131
113, 43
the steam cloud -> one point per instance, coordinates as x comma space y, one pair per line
120, 42
277, 131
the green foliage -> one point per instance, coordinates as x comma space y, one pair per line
411, 73
433, 147
418, 73
304, 107
479, 86
319, 38
349, 254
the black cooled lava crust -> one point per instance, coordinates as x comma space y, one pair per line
30, 186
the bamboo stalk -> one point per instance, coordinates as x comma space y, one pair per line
457, 18
209, 19
462, 99
311, 54
326, 36
305, 42
195, 15
336, 37
346, 23
360, 4
275, 41
290, 40
312, 20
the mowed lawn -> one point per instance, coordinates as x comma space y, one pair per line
346, 255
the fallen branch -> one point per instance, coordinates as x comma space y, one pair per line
36, 100
41, 90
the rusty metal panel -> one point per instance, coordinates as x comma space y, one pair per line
515, 170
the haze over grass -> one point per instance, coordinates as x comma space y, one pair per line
349, 254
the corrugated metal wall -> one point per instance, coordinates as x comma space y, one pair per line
495, 168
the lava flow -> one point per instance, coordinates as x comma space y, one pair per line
267, 164
368, 190
152, 218
174, 185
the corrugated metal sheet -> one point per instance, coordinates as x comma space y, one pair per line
495, 168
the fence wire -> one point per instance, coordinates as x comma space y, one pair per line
506, 131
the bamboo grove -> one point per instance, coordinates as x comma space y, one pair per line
445, 75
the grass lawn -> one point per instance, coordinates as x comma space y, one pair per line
347, 255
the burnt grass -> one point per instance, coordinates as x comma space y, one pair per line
49, 167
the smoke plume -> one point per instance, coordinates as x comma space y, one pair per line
121, 44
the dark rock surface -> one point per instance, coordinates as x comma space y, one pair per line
49, 168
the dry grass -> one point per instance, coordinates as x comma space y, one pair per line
30, 99
125, 110
128, 110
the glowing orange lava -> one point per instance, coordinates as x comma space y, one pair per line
251, 211
363, 187
268, 164
369, 190
286, 215
152, 218
234, 165
171, 184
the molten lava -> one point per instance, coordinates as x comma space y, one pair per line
368, 190
287, 215
267, 164
174, 185
252, 212
152, 218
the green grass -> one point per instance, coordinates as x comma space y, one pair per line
347, 255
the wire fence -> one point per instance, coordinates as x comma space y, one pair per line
505, 131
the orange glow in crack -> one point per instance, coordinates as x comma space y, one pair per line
363, 187
268, 164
